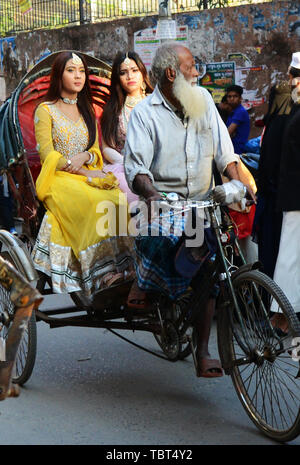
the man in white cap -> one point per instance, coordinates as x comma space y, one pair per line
294, 74
287, 270
295, 63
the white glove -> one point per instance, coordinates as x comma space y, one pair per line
230, 192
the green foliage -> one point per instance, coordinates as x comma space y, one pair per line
6, 24
204, 4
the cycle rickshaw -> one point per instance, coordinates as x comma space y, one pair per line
262, 361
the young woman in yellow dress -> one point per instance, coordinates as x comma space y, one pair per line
74, 245
129, 85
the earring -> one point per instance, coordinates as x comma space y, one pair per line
143, 87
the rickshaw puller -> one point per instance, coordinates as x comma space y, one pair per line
173, 137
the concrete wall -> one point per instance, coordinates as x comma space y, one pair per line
262, 35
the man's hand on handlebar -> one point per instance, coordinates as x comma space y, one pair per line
233, 174
234, 191
150, 204
143, 186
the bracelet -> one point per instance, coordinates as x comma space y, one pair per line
91, 158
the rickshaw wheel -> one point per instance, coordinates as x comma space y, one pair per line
169, 341
265, 369
26, 354
189, 335
172, 312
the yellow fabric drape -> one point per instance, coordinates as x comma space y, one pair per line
43, 135
71, 202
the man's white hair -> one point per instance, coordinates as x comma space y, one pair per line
166, 56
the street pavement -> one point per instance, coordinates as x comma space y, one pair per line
89, 387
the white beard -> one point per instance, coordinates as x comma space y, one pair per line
190, 97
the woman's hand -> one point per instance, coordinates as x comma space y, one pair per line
94, 174
77, 163
85, 172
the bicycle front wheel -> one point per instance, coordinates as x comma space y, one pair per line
264, 359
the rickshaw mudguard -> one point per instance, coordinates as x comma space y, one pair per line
247, 267
19, 254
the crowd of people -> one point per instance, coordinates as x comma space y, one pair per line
159, 136
276, 222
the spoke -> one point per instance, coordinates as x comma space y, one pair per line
22, 349
260, 315
246, 367
270, 372
249, 378
292, 379
264, 382
268, 391
284, 401
268, 387
253, 318
282, 397
247, 312
259, 383
283, 359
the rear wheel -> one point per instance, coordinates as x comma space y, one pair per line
169, 340
189, 335
26, 354
265, 360
172, 312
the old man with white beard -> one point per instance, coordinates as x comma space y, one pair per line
173, 137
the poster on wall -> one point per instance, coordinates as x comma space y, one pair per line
146, 42
166, 29
250, 98
7, 53
218, 76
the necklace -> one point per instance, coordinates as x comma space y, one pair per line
69, 101
131, 101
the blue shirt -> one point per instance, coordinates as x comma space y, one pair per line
240, 117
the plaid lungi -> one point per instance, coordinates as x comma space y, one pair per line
156, 248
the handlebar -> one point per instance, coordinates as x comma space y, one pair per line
224, 194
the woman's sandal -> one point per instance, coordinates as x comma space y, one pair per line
112, 278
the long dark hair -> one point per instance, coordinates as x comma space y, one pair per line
112, 109
84, 102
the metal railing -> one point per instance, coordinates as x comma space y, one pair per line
58, 13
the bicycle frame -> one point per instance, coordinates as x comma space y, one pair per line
219, 271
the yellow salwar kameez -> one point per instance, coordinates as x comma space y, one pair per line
73, 247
